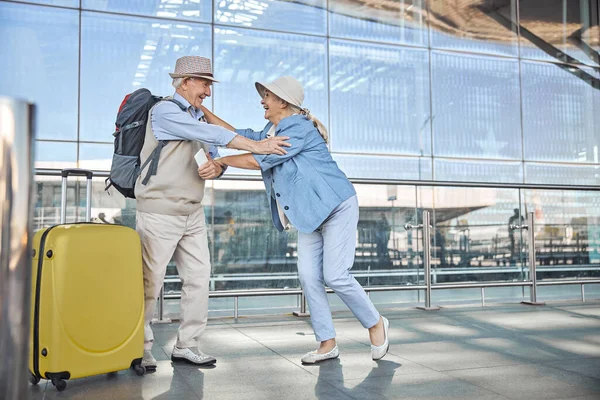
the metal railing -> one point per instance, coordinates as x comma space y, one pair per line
426, 227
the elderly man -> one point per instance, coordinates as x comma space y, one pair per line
170, 218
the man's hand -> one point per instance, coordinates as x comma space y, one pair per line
274, 145
210, 169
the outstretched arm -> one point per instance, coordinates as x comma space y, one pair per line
243, 161
274, 145
213, 119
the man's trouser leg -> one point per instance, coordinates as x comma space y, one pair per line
159, 234
193, 264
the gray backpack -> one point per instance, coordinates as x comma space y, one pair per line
130, 133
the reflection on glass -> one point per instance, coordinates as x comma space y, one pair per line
471, 239
60, 3
476, 111
478, 171
560, 30
39, 63
381, 167
567, 233
146, 51
401, 21
199, 10
474, 25
97, 157
386, 254
379, 99
304, 16
55, 155
565, 126
108, 209
243, 57
562, 174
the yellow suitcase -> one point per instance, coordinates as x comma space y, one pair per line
87, 300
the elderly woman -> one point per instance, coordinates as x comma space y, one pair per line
306, 188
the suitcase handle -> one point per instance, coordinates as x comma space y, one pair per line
77, 172
63, 200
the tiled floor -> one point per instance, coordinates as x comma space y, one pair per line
495, 352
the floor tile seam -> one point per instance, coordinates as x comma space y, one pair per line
573, 372
489, 366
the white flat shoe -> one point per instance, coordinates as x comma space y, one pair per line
378, 352
313, 357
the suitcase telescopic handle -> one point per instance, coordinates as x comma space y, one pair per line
63, 200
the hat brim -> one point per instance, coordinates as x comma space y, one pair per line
210, 78
261, 87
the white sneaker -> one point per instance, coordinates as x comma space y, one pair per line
148, 362
378, 352
313, 357
192, 355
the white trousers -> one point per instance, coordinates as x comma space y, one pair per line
183, 238
325, 257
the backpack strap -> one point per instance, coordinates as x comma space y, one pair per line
155, 155
153, 160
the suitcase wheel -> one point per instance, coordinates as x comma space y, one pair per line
59, 384
139, 369
33, 379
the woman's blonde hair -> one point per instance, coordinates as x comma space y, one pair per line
306, 112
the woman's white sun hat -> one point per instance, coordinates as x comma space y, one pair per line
286, 88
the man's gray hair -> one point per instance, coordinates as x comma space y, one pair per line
177, 82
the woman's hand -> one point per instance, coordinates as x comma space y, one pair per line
274, 145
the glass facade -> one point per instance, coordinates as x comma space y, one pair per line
504, 91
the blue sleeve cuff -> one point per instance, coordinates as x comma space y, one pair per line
260, 159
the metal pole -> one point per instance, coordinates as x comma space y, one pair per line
16, 211
302, 312
161, 309
482, 297
88, 199
63, 201
236, 304
582, 292
532, 261
427, 260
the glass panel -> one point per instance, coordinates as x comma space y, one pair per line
567, 233
471, 239
60, 3
55, 155
105, 208
138, 52
248, 252
476, 110
379, 167
200, 10
474, 25
386, 254
560, 30
562, 174
97, 157
39, 63
378, 94
400, 21
243, 57
478, 171
566, 125
304, 16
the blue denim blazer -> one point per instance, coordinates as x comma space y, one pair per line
307, 181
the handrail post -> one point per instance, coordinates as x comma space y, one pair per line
302, 312
16, 210
530, 227
161, 309
426, 226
